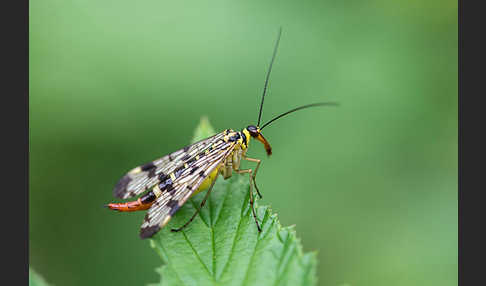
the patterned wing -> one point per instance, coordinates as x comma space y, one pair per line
184, 186
146, 176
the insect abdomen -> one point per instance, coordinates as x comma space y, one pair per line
142, 203
207, 182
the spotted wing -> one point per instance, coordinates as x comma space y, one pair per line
146, 176
169, 202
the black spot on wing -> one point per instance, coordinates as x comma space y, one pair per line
151, 173
148, 198
163, 177
149, 231
193, 169
178, 171
186, 148
173, 205
148, 166
165, 184
121, 187
146, 219
170, 189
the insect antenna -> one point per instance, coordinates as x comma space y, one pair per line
299, 108
268, 74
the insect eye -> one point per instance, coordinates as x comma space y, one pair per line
253, 130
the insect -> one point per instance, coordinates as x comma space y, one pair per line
174, 178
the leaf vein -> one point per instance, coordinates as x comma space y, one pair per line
232, 248
197, 254
168, 264
251, 258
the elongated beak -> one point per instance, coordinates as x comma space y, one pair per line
265, 144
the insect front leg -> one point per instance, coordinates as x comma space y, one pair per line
249, 171
199, 209
258, 161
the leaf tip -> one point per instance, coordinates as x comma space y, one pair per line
203, 130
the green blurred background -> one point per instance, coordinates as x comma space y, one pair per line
371, 185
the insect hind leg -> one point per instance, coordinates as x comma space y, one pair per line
252, 200
253, 176
199, 209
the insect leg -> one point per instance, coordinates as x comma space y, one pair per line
258, 161
199, 209
249, 171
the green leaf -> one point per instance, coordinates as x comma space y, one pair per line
222, 245
203, 130
35, 279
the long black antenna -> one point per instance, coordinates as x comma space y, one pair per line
299, 108
268, 74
